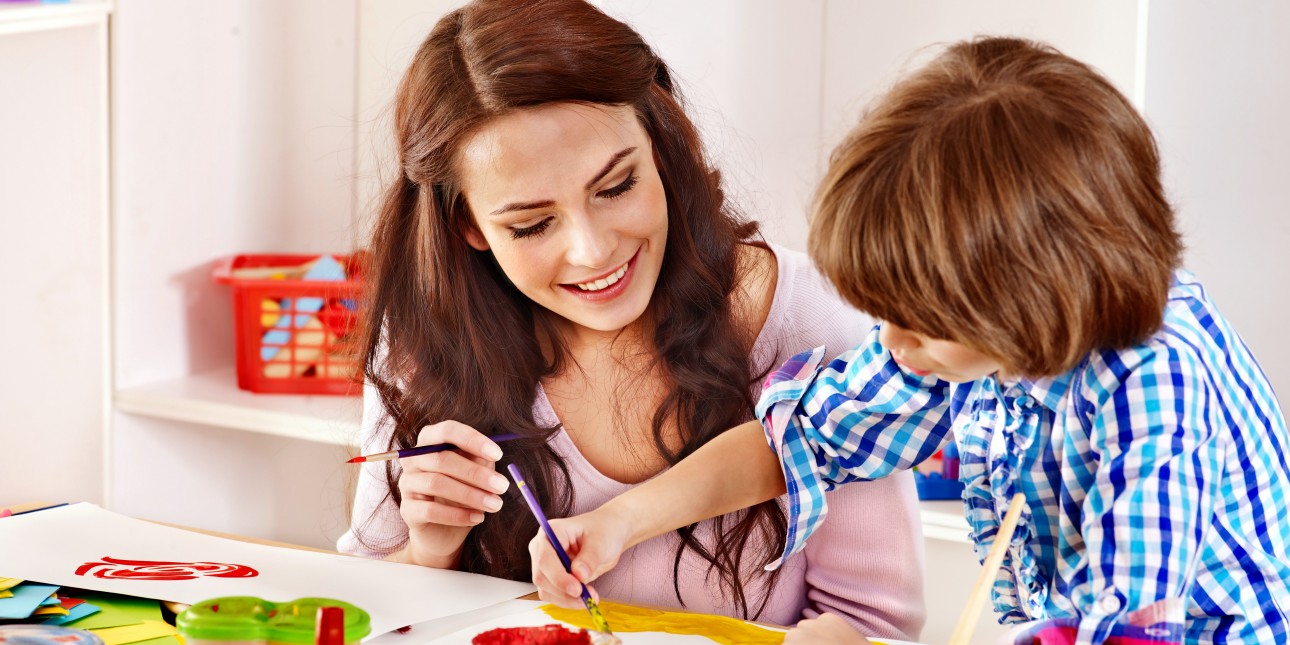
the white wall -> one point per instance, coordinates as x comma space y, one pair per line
869, 45
234, 133
52, 324
1218, 96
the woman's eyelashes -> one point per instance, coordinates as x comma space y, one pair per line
519, 233
614, 192
621, 189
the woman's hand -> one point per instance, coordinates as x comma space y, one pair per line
594, 541
827, 628
446, 493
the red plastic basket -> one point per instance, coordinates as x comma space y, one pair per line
293, 331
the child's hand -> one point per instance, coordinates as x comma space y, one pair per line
828, 628
594, 542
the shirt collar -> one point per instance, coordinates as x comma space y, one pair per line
1048, 390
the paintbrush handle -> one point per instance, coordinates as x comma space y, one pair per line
597, 617
962, 634
421, 450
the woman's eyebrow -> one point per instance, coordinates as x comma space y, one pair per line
524, 206
613, 161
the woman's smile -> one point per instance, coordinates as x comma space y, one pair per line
606, 287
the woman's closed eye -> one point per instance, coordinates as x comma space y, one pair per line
613, 192
621, 189
521, 232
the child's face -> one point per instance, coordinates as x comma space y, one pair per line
924, 355
568, 198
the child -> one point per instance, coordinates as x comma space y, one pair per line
1002, 211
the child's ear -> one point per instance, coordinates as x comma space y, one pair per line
475, 239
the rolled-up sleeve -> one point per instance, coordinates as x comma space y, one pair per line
376, 528
858, 417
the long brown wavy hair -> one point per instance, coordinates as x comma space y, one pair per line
447, 336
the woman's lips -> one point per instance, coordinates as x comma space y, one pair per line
610, 292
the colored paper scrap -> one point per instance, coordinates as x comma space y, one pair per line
116, 610
6, 594
124, 634
9, 583
51, 601
68, 603
26, 598
164, 640
50, 610
75, 613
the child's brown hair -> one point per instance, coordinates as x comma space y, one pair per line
1006, 197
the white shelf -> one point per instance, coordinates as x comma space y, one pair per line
943, 520
213, 399
26, 17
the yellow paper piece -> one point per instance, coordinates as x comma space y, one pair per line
52, 610
9, 583
6, 594
628, 618
146, 630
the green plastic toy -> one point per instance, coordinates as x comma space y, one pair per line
255, 621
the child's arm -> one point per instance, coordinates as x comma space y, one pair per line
735, 470
858, 417
1154, 467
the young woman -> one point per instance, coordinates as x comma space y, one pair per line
556, 260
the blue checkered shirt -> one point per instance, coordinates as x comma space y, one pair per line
1157, 478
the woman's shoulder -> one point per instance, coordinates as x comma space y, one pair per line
806, 310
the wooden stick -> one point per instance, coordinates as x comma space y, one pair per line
962, 634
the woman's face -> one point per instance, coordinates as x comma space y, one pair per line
924, 355
568, 198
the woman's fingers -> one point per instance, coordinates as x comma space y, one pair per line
454, 480
467, 439
425, 510
458, 467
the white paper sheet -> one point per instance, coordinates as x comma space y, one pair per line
50, 546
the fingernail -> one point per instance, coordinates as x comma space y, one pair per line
493, 452
573, 590
582, 571
476, 517
493, 503
498, 484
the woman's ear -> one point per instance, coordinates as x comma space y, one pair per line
474, 238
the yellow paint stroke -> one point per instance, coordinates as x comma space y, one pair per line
628, 618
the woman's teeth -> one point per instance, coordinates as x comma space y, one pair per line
597, 285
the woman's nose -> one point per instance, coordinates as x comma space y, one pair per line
590, 245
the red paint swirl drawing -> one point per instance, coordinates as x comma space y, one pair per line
154, 570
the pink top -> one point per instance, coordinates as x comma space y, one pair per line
864, 564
